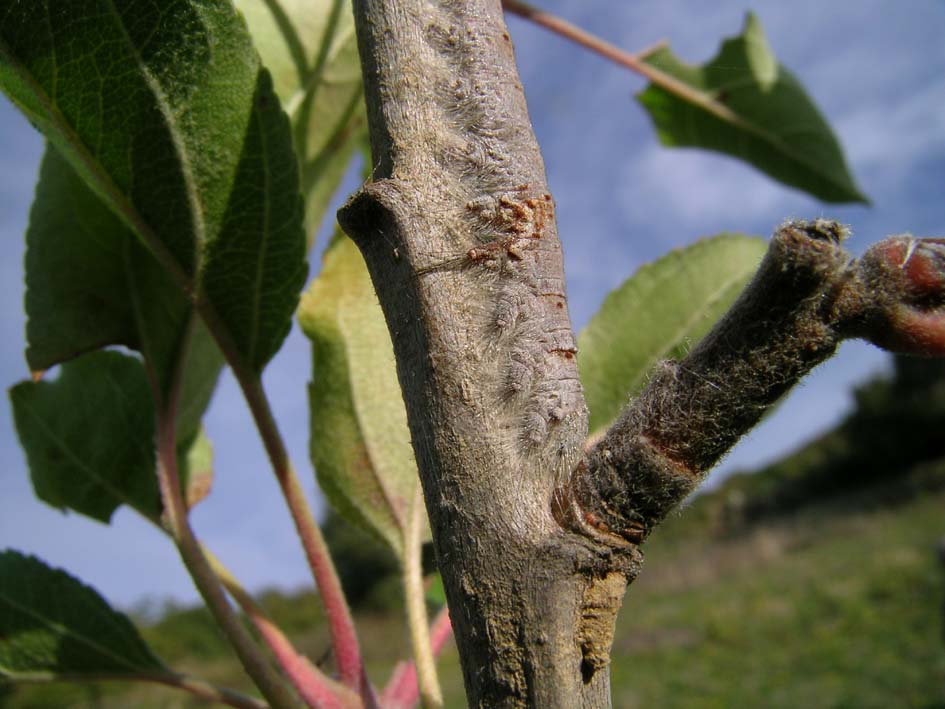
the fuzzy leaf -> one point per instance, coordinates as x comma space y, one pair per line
657, 314
90, 284
360, 443
163, 110
53, 625
745, 104
89, 436
311, 49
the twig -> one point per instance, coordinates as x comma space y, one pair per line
634, 62
253, 661
317, 689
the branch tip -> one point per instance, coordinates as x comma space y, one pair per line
807, 296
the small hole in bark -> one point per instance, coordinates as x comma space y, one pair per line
587, 670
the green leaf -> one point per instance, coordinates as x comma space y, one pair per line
199, 367
745, 104
311, 49
89, 436
360, 443
53, 625
163, 110
656, 314
90, 283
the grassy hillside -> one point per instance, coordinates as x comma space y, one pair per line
819, 609
813, 583
834, 606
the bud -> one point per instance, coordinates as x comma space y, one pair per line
906, 281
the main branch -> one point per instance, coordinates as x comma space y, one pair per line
458, 232
536, 541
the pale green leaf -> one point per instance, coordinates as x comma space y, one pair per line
743, 103
360, 443
52, 625
657, 314
195, 462
311, 49
163, 110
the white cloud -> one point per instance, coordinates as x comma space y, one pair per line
696, 188
890, 136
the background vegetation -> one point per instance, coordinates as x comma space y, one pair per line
815, 582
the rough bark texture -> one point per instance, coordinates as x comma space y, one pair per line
457, 228
536, 541
807, 296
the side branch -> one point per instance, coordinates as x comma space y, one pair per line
807, 297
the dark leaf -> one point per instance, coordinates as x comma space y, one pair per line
89, 436
745, 104
164, 111
52, 624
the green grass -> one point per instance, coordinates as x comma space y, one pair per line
819, 610
837, 606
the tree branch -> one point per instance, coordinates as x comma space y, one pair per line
458, 233
536, 541
807, 296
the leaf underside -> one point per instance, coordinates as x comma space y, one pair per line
310, 47
360, 443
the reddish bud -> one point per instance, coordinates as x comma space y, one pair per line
906, 277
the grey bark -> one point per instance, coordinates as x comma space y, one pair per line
535, 539
457, 228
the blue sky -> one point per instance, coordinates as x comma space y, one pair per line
876, 69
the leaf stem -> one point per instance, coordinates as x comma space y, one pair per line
207, 583
316, 688
344, 638
431, 696
197, 687
402, 691
634, 62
